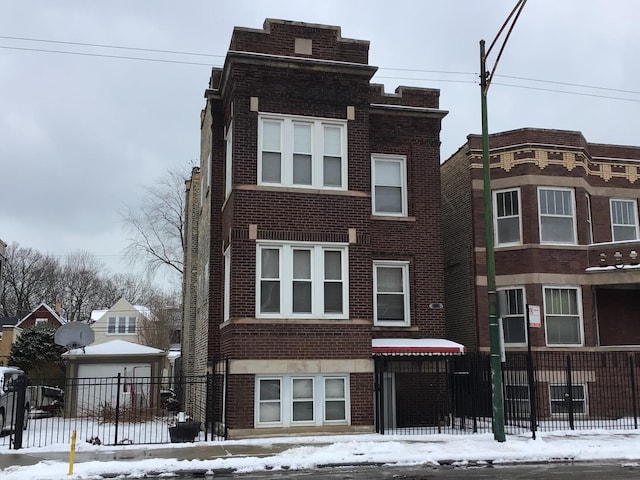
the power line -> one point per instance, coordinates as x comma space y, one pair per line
398, 69
101, 45
582, 94
103, 55
570, 84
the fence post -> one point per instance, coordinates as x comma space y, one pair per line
20, 386
115, 441
568, 396
532, 393
634, 398
208, 414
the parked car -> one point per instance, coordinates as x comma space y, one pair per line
9, 399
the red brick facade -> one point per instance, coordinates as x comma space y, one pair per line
604, 272
309, 73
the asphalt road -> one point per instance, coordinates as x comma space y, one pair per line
582, 471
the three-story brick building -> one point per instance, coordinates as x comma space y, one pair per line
319, 240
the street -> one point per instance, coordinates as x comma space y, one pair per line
583, 471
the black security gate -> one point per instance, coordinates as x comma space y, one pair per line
542, 392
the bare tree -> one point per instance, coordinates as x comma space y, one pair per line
135, 288
28, 275
81, 276
155, 227
162, 327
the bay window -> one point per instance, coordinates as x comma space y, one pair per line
624, 219
507, 221
562, 318
556, 208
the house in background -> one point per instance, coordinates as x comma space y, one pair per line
120, 322
7, 326
318, 244
567, 237
137, 324
41, 315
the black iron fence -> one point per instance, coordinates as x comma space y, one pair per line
116, 411
413, 395
542, 392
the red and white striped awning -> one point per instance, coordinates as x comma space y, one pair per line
416, 346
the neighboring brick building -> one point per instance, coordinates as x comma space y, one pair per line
566, 239
319, 230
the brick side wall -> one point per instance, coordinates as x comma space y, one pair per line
458, 233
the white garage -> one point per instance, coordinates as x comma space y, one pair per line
112, 373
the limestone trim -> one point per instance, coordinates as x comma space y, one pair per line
570, 160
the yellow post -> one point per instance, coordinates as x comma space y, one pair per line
72, 453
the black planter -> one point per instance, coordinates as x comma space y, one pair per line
184, 431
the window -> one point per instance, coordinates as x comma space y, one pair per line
228, 181
589, 220
290, 400
389, 189
302, 399
561, 400
302, 280
512, 310
391, 293
516, 399
562, 316
121, 326
624, 220
557, 220
41, 321
302, 152
269, 404
506, 205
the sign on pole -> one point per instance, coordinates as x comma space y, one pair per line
534, 316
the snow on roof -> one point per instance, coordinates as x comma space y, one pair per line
115, 347
415, 346
96, 314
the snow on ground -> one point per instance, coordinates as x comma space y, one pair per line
310, 452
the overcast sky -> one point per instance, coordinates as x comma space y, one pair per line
80, 134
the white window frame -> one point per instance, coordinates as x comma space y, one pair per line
227, 283
634, 213
285, 277
547, 215
129, 322
496, 219
318, 125
554, 401
319, 399
40, 321
400, 160
228, 173
578, 291
509, 315
404, 266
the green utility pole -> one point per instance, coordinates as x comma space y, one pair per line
497, 397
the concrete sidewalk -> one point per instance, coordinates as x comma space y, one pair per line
192, 452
